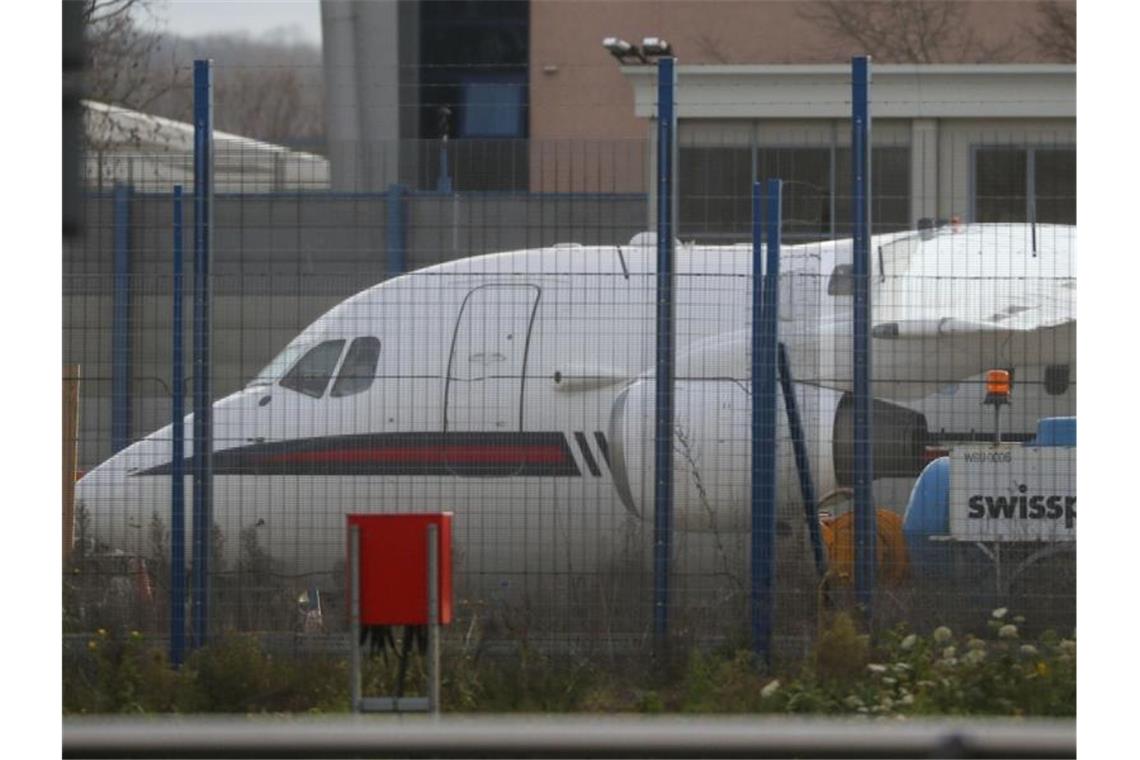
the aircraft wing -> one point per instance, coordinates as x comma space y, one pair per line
946, 307
958, 303
958, 323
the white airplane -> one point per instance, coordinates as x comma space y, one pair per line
516, 390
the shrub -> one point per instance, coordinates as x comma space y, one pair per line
904, 673
232, 675
121, 674
841, 653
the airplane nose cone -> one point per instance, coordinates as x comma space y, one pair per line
116, 503
95, 494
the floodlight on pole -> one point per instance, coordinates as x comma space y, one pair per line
655, 46
622, 50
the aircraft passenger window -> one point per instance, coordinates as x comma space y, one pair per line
311, 375
359, 368
841, 283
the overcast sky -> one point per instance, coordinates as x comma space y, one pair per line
292, 19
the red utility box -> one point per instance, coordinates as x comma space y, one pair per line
394, 567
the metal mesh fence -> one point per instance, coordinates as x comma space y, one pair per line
369, 356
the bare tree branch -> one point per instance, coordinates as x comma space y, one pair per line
903, 31
1056, 30
712, 48
268, 90
102, 11
120, 54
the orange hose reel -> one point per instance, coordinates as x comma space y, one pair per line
839, 538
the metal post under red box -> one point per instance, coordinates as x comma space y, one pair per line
394, 567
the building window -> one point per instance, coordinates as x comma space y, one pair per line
715, 186
715, 189
1024, 184
890, 190
807, 191
474, 58
1055, 185
493, 106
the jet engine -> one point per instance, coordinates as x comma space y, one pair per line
712, 447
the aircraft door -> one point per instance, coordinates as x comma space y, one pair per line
487, 366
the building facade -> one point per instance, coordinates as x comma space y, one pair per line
974, 104
974, 111
982, 143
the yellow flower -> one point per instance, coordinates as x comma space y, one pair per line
1042, 668
92, 645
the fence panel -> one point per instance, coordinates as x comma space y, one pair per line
508, 377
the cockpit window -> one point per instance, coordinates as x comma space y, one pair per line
282, 362
359, 367
311, 374
841, 283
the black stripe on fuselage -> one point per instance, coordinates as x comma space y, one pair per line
587, 455
466, 454
603, 446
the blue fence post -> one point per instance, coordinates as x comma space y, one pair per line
756, 613
765, 334
865, 531
666, 341
177, 454
397, 234
121, 322
203, 495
